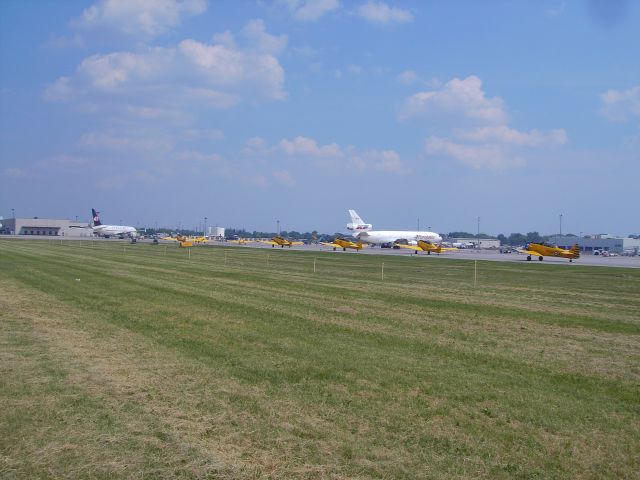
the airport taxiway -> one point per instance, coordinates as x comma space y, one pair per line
463, 254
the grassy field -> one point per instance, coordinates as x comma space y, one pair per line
134, 361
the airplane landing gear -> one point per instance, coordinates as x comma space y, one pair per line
528, 258
540, 257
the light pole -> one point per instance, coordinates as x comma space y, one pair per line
418, 223
478, 233
278, 223
13, 213
560, 233
205, 227
581, 242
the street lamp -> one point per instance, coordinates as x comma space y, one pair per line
418, 223
278, 223
205, 227
13, 213
478, 246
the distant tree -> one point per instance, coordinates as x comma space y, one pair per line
461, 235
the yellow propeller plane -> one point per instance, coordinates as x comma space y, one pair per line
428, 247
281, 242
343, 244
186, 241
240, 241
542, 250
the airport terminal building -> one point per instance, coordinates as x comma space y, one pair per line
600, 243
45, 227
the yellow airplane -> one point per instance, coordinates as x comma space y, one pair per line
542, 250
428, 247
186, 241
281, 242
343, 244
240, 241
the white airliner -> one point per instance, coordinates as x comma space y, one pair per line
111, 230
363, 232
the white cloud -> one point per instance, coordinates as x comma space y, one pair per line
283, 177
59, 91
506, 135
14, 172
310, 10
482, 138
121, 180
204, 134
216, 75
116, 142
382, 14
355, 69
385, 160
476, 156
263, 42
139, 18
461, 98
304, 146
620, 105
407, 77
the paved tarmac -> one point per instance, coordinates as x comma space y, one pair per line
463, 254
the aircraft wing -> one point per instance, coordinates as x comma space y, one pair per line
528, 252
330, 244
411, 247
268, 242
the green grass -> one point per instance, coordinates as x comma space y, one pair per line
135, 361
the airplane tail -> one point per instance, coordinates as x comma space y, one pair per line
355, 218
575, 250
357, 224
96, 218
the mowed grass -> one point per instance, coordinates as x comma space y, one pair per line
134, 361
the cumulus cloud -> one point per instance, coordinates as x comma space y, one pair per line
205, 74
14, 172
283, 177
407, 77
476, 156
382, 14
140, 18
256, 33
101, 141
482, 138
507, 135
384, 160
305, 146
310, 10
463, 98
619, 106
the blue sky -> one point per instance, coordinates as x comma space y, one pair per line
167, 111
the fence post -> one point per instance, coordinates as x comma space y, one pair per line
475, 273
